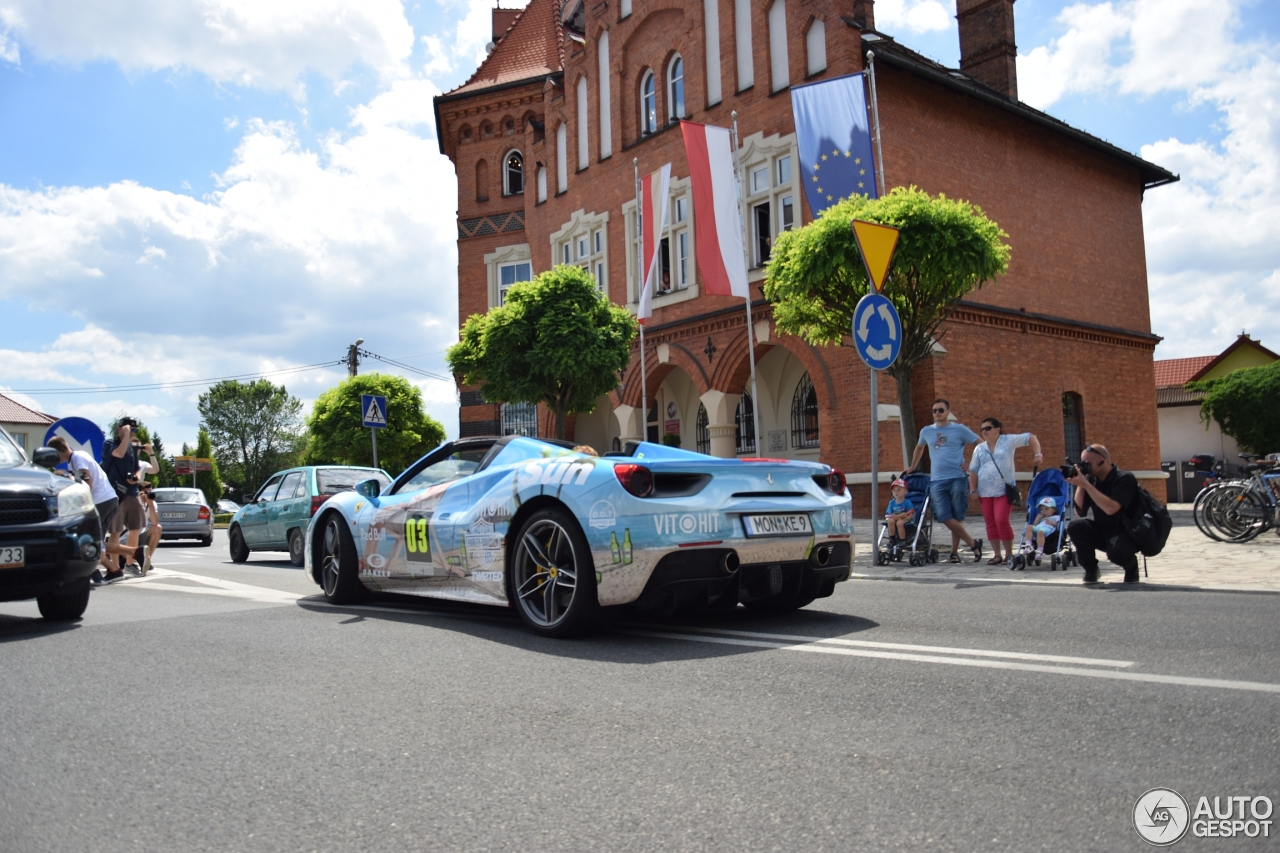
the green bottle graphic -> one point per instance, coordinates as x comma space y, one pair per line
465, 565
613, 547
626, 546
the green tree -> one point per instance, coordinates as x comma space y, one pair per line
946, 249
1244, 404
255, 429
338, 437
209, 482
556, 341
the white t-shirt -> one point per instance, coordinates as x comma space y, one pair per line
990, 483
99, 487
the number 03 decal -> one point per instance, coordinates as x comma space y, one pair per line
417, 538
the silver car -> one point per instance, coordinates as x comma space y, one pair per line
184, 514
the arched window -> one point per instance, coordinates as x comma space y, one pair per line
815, 42
542, 182
701, 432
513, 174
519, 419
745, 423
779, 62
804, 414
482, 180
583, 112
1073, 424
648, 104
675, 88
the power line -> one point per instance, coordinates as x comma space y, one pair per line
185, 383
409, 367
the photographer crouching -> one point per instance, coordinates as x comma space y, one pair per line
1109, 492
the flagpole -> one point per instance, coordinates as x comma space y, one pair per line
644, 379
746, 250
875, 117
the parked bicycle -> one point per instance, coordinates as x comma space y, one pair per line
1241, 509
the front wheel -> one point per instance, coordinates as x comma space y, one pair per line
239, 550
338, 569
552, 577
64, 606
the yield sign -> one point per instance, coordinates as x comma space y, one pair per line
876, 243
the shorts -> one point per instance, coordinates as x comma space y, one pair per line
1046, 529
950, 498
107, 514
131, 515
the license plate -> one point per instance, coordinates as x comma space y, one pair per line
173, 515
12, 557
778, 525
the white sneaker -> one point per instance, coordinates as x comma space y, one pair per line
133, 571
146, 565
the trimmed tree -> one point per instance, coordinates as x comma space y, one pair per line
557, 341
946, 249
254, 427
338, 438
1244, 404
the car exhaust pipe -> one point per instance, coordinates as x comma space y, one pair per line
821, 555
729, 562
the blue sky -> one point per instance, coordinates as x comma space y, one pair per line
201, 188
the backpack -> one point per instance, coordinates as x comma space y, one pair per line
1148, 523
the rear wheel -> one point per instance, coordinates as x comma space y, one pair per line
297, 545
239, 550
338, 569
206, 541
64, 606
553, 579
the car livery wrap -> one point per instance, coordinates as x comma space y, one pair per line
688, 527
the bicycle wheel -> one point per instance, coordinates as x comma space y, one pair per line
1204, 510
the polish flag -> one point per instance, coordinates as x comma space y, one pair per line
721, 255
655, 191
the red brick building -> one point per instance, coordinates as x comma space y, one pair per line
544, 136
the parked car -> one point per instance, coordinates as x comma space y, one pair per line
558, 535
50, 536
184, 514
276, 517
226, 506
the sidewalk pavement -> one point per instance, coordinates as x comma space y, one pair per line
1190, 561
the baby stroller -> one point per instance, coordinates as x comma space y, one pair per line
919, 549
1049, 483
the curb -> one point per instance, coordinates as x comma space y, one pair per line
1143, 586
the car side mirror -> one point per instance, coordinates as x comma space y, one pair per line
46, 457
368, 488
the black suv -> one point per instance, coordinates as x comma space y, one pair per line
50, 537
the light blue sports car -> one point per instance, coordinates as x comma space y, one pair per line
559, 534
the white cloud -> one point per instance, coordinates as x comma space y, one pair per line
9, 51
248, 42
914, 16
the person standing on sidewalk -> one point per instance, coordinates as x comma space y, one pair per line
85, 469
991, 472
949, 481
120, 462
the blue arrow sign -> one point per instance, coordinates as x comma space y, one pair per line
877, 331
79, 434
374, 408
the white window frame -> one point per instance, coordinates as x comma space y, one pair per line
506, 177
584, 158
504, 256
542, 183
815, 45
745, 49
779, 59
675, 107
562, 158
711, 26
759, 152
681, 290
648, 117
580, 231
606, 99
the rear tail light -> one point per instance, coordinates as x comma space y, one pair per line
204, 513
636, 479
835, 481
316, 501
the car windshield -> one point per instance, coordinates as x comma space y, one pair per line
10, 455
334, 480
452, 467
178, 496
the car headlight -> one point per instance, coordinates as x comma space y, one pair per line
74, 500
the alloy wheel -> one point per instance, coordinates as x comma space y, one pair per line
546, 573
331, 562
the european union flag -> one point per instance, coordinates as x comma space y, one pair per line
834, 138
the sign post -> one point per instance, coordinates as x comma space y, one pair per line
877, 333
374, 408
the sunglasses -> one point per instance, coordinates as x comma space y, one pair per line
987, 429
939, 411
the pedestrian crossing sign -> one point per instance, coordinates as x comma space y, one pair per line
375, 410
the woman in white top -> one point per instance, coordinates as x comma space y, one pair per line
990, 470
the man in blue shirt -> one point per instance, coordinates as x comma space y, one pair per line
949, 479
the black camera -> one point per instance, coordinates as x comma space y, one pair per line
1069, 470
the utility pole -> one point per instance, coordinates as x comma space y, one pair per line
353, 358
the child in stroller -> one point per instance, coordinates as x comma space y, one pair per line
1050, 495
899, 515
1044, 524
907, 525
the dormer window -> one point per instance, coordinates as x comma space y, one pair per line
513, 174
675, 88
648, 105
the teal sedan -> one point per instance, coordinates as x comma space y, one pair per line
276, 518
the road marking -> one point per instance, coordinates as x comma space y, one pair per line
809, 646
210, 586
910, 648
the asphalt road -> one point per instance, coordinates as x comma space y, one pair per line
225, 708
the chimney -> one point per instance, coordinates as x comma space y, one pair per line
864, 13
987, 51
502, 20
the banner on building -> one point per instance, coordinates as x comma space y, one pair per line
655, 192
833, 135
722, 258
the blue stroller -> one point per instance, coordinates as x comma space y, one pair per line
919, 550
1049, 483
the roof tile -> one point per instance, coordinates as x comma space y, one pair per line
1176, 372
531, 47
13, 412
